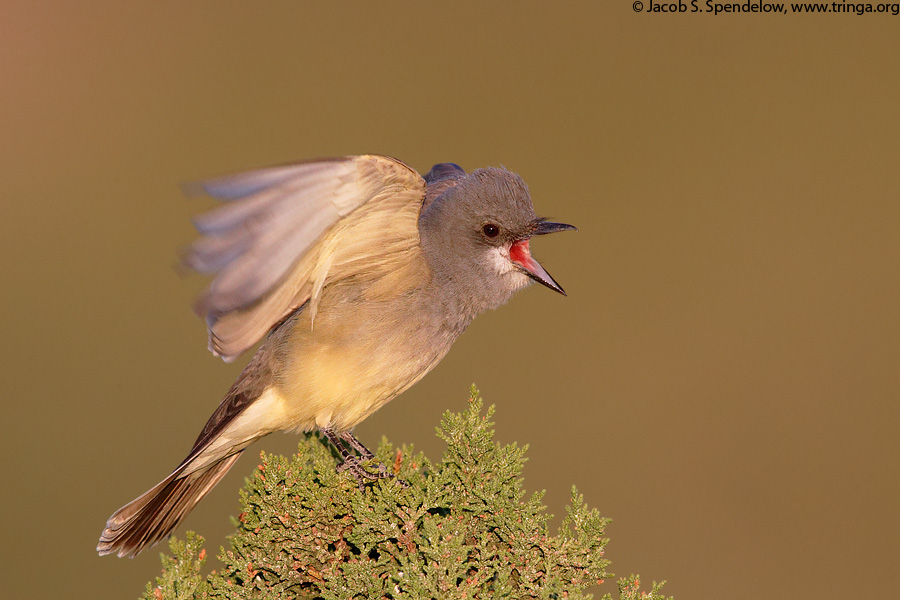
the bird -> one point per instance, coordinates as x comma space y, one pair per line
356, 274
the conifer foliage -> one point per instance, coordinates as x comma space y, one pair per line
460, 528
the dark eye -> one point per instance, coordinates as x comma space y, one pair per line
490, 230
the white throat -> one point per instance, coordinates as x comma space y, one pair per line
506, 268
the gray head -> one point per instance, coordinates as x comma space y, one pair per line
475, 235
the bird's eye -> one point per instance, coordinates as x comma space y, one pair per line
491, 230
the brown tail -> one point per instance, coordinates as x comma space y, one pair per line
233, 426
151, 517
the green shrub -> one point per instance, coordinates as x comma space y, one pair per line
456, 529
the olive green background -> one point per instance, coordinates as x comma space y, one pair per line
722, 379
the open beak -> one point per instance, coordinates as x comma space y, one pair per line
520, 254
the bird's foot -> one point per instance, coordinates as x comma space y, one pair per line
354, 465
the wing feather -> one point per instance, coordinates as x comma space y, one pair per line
240, 185
287, 232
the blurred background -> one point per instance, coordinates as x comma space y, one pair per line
722, 379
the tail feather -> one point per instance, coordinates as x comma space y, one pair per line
151, 517
241, 418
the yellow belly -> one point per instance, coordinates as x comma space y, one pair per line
355, 358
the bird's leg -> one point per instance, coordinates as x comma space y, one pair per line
336, 442
357, 445
366, 454
353, 463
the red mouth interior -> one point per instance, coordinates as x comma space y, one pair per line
520, 253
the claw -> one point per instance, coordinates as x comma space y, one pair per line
352, 463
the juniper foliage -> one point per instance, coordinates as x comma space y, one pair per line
457, 529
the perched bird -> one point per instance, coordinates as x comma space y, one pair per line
360, 274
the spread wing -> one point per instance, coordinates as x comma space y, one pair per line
287, 231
